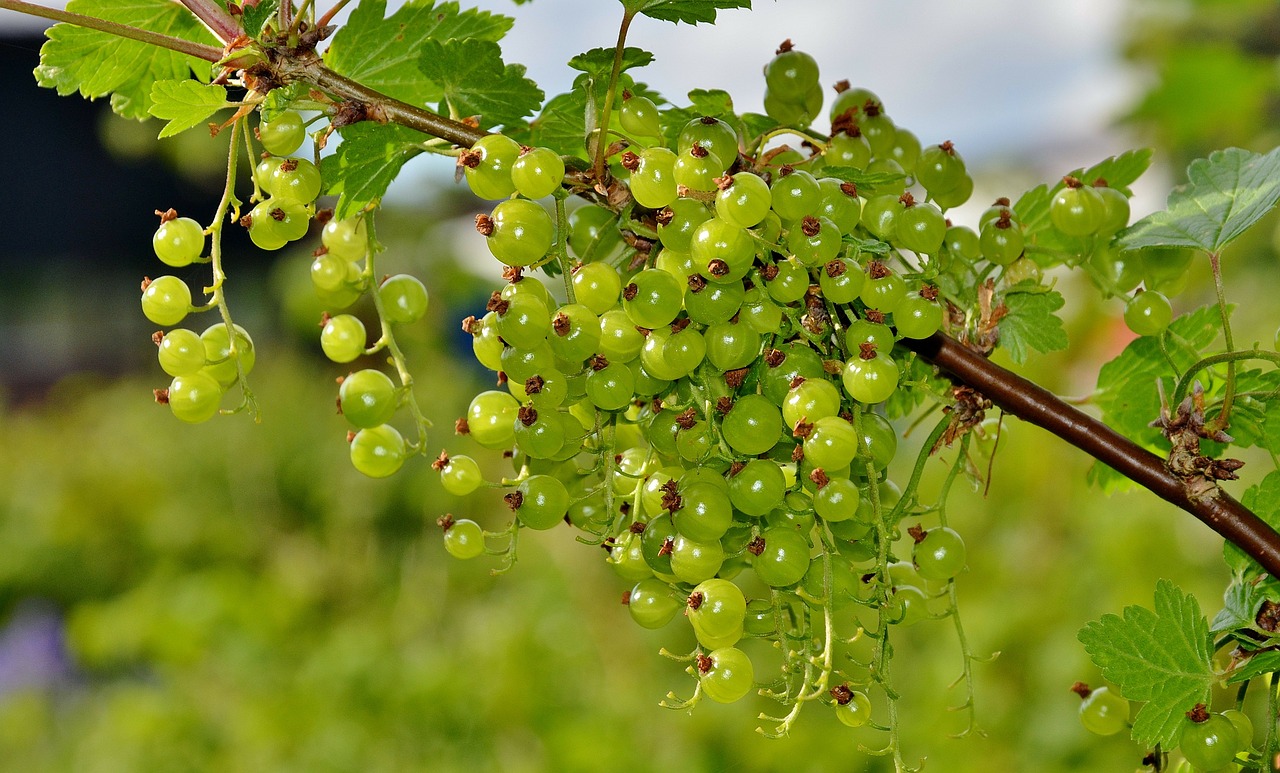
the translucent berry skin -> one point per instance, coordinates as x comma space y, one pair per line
347, 239
217, 353
180, 352
1077, 211
855, 713
461, 475
1103, 712
367, 398
522, 232
283, 134
404, 299
178, 241
639, 116
464, 539
1211, 744
295, 179
537, 172
545, 500
378, 452
652, 604
940, 555
343, 338
166, 300
491, 179
730, 676
194, 398
1148, 313
785, 557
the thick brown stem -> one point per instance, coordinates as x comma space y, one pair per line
1031, 403
396, 111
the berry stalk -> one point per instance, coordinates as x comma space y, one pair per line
1034, 404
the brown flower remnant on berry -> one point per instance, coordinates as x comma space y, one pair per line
665, 216
445, 522
917, 533
724, 182
527, 415
497, 303
948, 147
769, 272
484, 225
167, 215
832, 367
514, 500
1081, 689
867, 350
687, 418
705, 663
630, 161
784, 47
1268, 617
630, 291
278, 215
907, 200
796, 382
929, 292
460, 427
835, 268
533, 385
842, 694
289, 165
626, 598
797, 454
680, 324
735, 468
324, 318
470, 158
734, 378
695, 599
1199, 714
724, 404
878, 270
849, 189
513, 274
846, 123
718, 267
1072, 182
502, 378
671, 500
697, 283
774, 357
471, 325
636, 528
441, 461
871, 108
803, 428
810, 226
598, 362
161, 396
146, 282
819, 477
697, 151
351, 435
756, 546
874, 315
157, 337
668, 545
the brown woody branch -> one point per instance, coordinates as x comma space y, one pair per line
1031, 403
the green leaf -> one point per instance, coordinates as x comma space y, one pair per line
687, 11
1264, 500
185, 104
1239, 608
1126, 392
1119, 171
367, 160
868, 183
1031, 322
97, 64
1161, 657
1228, 192
598, 62
1254, 416
383, 53
1262, 663
475, 81
254, 17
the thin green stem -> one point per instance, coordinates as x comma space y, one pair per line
299, 17
1224, 418
601, 145
1230, 358
561, 248
388, 339
229, 205
198, 50
1270, 743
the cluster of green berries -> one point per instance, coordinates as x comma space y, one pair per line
1209, 741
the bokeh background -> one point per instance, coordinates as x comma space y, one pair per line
234, 596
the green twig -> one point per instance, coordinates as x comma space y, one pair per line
1230, 358
611, 94
1224, 418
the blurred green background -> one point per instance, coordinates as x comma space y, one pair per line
234, 596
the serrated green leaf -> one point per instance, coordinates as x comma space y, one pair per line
1264, 500
1228, 192
1256, 410
185, 104
96, 64
254, 17
1159, 656
367, 160
1126, 392
474, 80
1239, 608
383, 53
687, 11
598, 62
1119, 171
868, 183
1031, 322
